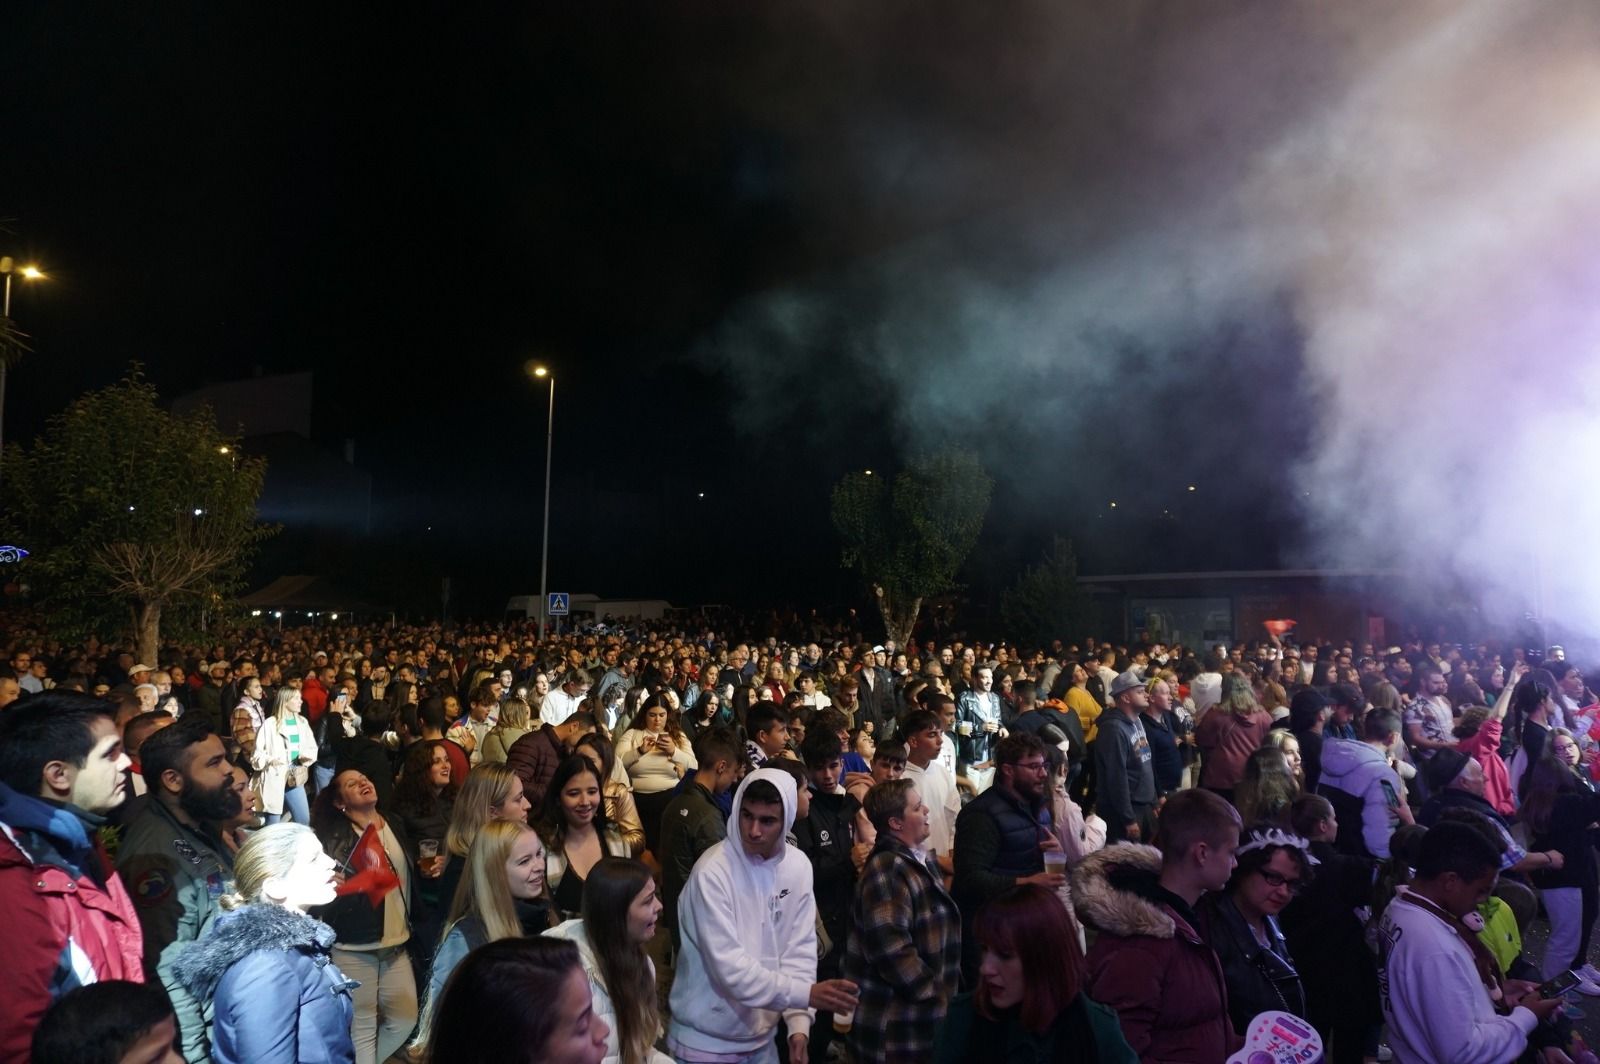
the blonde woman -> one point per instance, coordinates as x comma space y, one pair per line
261, 971
514, 723
284, 752
502, 895
492, 792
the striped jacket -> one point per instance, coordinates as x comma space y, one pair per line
904, 953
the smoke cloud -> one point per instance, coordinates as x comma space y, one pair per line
1341, 256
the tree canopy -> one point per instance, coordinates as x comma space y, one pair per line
909, 536
129, 510
1046, 602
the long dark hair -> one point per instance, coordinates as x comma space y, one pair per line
674, 724
624, 967
412, 792
500, 979
1548, 779
552, 821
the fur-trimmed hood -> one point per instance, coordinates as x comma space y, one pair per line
1108, 892
237, 934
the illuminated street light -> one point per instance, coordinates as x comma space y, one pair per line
29, 273
1191, 487
539, 372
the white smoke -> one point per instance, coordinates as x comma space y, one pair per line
1420, 181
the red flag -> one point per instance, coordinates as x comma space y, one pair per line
1278, 627
368, 870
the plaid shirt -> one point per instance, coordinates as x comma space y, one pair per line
904, 953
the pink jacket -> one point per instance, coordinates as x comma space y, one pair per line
1484, 748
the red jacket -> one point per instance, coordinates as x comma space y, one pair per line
1149, 964
62, 930
315, 697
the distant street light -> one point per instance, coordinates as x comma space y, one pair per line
543, 373
29, 273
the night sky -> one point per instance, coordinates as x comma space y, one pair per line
413, 201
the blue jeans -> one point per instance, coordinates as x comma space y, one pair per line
295, 804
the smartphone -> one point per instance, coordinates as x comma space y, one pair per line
1559, 985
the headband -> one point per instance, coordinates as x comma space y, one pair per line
1260, 840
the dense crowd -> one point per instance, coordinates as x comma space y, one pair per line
667, 844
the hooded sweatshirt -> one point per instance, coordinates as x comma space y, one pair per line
1361, 771
749, 951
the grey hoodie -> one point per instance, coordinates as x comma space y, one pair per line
1362, 770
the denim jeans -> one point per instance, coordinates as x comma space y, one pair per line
295, 804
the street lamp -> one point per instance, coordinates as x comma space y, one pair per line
29, 273
543, 373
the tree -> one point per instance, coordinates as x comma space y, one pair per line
908, 538
129, 510
1046, 601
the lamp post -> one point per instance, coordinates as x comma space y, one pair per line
543, 373
29, 273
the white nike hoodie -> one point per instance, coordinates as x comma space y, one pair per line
749, 941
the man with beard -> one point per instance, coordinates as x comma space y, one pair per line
1001, 836
173, 858
68, 919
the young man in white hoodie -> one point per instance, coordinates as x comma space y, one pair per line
748, 958
1442, 993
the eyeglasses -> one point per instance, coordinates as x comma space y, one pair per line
1031, 766
1275, 880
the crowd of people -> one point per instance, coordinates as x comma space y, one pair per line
667, 844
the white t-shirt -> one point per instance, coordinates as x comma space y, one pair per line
939, 794
558, 706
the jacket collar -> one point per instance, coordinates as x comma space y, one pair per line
65, 826
235, 935
1113, 890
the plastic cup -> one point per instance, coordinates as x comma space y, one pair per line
1055, 862
964, 728
843, 1021
428, 849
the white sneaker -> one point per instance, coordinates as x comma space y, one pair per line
1587, 987
1589, 972
1385, 1054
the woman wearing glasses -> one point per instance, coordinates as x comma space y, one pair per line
1241, 924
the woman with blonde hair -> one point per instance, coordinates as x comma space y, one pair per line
515, 721
502, 895
620, 912
1289, 743
491, 792
284, 752
261, 970
1268, 787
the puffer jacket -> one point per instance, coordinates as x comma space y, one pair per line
69, 920
1149, 963
269, 991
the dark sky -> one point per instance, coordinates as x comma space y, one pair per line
412, 201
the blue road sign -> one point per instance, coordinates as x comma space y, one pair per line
558, 604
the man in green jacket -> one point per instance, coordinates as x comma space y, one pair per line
172, 857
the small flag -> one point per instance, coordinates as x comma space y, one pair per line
368, 870
1278, 627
